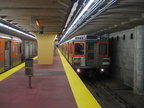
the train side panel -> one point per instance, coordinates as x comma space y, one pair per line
70, 52
2, 53
13, 51
25, 47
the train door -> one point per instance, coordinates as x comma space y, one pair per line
7, 54
91, 53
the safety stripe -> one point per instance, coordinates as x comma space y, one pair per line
13, 70
82, 95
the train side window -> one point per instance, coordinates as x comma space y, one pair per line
17, 48
79, 48
7, 47
102, 49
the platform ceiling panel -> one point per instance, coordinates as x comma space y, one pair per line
51, 14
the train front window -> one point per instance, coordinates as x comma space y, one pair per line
90, 46
102, 49
79, 48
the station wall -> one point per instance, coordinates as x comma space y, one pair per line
122, 50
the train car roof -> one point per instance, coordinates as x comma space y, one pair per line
89, 37
5, 36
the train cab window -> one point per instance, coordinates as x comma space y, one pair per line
79, 48
102, 49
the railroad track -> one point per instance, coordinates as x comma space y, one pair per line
107, 97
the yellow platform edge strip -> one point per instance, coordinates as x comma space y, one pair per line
13, 70
82, 95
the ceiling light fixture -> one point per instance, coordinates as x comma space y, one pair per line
16, 30
86, 15
96, 14
79, 16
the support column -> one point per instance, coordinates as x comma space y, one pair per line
45, 47
139, 60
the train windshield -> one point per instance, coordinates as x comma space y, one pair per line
102, 49
79, 48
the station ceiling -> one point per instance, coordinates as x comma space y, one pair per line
53, 15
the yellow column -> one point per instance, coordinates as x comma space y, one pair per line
45, 47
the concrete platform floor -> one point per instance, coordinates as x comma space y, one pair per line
50, 88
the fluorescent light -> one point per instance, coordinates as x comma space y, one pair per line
71, 13
79, 16
85, 13
82, 12
16, 30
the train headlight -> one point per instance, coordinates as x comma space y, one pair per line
78, 70
102, 70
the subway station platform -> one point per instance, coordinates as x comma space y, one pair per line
53, 86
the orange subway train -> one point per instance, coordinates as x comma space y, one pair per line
87, 53
13, 51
